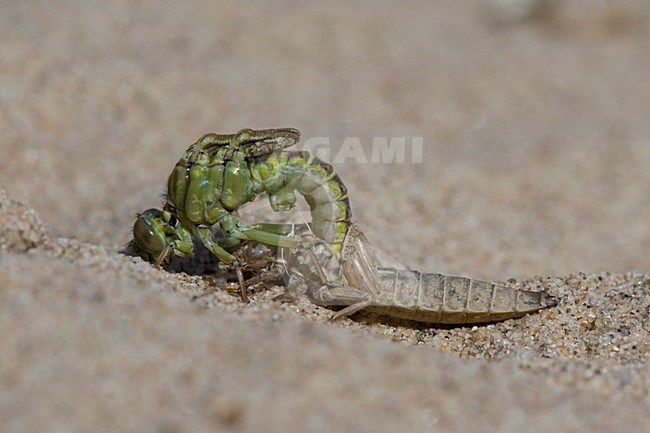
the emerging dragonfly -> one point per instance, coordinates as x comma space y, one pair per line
356, 279
220, 173
330, 260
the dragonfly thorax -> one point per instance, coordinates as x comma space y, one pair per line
206, 190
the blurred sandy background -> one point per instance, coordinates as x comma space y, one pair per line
535, 162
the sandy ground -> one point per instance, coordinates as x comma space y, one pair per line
535, 167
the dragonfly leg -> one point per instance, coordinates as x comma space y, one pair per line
277, 228
242, 283
207, 239
278, 240
350, 310
354, 299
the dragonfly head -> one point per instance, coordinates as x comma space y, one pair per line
153, 233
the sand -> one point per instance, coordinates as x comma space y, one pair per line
534, 172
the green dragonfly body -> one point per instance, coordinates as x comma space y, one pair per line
220, 173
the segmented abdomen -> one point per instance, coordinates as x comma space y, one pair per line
438, 298
317, 181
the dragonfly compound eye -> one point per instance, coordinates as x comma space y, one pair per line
148, 232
